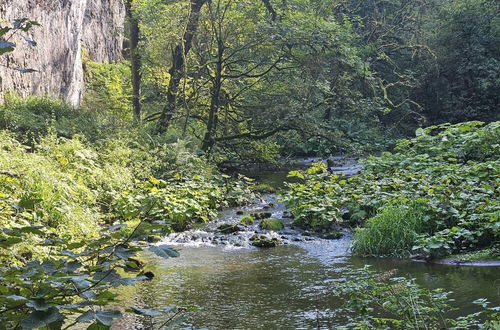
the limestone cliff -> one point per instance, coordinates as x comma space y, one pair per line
68, 28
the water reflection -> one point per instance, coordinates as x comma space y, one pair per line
289, 287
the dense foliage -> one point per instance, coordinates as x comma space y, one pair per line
207, 83
440, 188
74, 212
309, 77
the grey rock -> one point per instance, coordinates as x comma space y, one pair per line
68, 29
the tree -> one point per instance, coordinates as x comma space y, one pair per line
463, 82
135, 59
178, 62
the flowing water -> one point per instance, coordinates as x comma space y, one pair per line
228, 284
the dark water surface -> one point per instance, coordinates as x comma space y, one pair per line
291, 286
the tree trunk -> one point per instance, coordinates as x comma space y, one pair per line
135, 60
209, 139
178, 62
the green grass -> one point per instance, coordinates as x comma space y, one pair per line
392, 232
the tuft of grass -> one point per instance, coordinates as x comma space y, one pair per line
392, 232
247, 220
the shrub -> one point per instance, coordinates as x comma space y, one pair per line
179, 201
314, 202
109, 87
34, 117
44, 192
392, 232
59, 191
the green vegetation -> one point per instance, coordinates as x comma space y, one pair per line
383, 301
75, 207
263, 188
209, 88
393, 231
450, 172
263, 241
491, 254
247, 220
272, 224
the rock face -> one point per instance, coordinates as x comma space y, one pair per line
68, 29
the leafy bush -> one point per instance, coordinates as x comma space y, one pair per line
57, 193
314, 203
453, 170
181, 202
73, 282
45, 190
108, 87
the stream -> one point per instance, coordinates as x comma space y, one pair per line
227, 283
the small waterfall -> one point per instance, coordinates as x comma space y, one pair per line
248, 236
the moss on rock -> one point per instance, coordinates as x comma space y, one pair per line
247, 220
272, 224
228, 228
264, 242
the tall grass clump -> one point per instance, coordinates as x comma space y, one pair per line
392, 232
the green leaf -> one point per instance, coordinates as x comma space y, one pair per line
38, 304
123, 253
31, 230
29, 41
15, 298
142, 311
8, 242
4, 30
38, 319
71, 266
25, 70
105, 317
164, 251
98, 326
6, 46
420, 132
296, 174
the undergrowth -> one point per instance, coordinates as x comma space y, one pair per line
79, 192
452, 170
